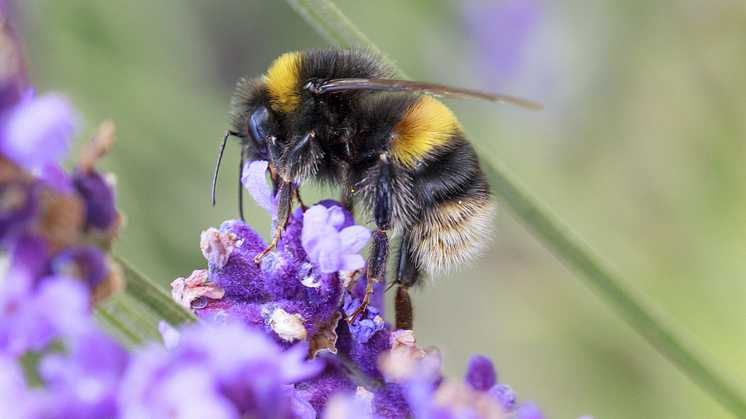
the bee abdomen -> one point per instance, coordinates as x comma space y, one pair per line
451, 232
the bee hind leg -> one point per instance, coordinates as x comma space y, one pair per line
379, 250
407, 276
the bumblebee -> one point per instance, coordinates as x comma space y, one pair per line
337, 117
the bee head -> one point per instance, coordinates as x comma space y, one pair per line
258, 129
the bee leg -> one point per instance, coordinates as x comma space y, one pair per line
408, 275
346, 200
285, 196
300, 201
379, 250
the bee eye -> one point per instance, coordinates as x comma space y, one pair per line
259, 129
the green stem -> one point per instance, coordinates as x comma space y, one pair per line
119, 320
147, 292
329, 22
132, 316
634, 307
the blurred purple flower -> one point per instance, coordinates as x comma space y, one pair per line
85, 263
528, 410
83, 383
99, 199
56, 178
503, 394
254, 179
16, 401
329, 245
18, 205
56, 306
13, 77
480, 374
500, 31
38, 131
216, 372
302, 409
170, 335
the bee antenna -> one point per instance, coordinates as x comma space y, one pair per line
217, 164
240, 188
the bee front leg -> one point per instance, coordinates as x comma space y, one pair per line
285, 195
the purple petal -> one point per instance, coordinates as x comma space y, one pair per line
38, 131
301, 408
85, 263
501, 31
328, 203
480, 374
328, 257
254, 179
13, 79
335, 217
170, 335
528, 410
353, 239
314, 218
83, 383
59, 306
15, 400
352, 263
503, 394
99, 199
55, 177
325, 245
18, 205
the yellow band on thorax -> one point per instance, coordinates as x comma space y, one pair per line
282, 81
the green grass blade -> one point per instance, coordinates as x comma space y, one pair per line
641, 313
132, 316
336, 28
152, 296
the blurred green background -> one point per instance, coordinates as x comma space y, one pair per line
641, 149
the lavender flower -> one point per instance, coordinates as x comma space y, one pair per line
84, 382
480, 374
18, 206
55, 307
500, 31
38, 131
216, 372
297, 297
85, 263
170, 335
367, 324
253, 178
15, 399
528, 410
99, 199
330, 244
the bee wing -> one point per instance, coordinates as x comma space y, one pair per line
433, 89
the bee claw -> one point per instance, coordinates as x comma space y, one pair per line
365, 302
258, 258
